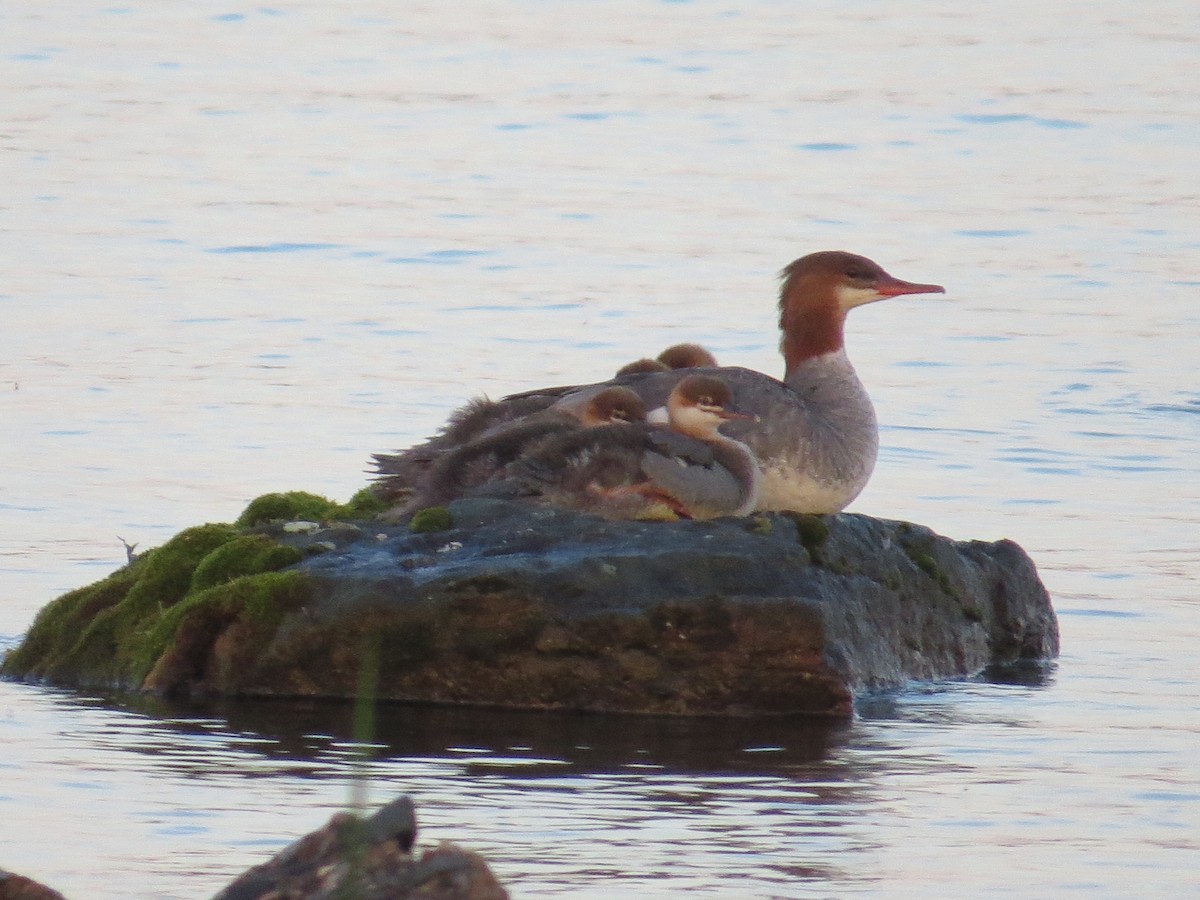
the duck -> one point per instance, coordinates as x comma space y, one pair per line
814, 434
687, 470
474, 462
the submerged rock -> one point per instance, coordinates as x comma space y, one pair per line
496, 602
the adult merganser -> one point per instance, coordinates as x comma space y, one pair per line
815, 433
677, 356
459, 470
690, 469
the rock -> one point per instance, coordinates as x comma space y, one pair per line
368, 859
502, 603
18, 887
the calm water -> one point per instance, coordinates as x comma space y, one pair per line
247, 246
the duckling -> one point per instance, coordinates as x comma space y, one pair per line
636, 471
463, 468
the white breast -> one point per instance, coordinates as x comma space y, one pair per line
786, 488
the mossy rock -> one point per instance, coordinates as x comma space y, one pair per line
812, 532
291, 506
109, 634
165, 573
245, 555
433, 518
363, 505
57, 627
215, 637
286, 507
534, 607
919, 548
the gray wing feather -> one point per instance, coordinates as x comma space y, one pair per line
697, 485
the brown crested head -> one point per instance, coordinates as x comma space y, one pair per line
613, 405
686, 356
703, 390
817, 292
642, 366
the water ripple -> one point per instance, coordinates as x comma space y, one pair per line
281, 247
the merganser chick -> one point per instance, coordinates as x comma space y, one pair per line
687, 356
397, 475
815, 433
677, 356
641, 366
464, 468
629, 472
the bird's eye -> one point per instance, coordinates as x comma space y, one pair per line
856, 274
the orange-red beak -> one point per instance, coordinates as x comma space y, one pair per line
894, 287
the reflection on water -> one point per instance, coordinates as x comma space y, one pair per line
249, 247
597, 804
530, 790
590, 743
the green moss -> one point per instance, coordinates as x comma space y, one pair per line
165, 574
363, 505
759, 525
260, 601
100, 650
435, 518
246, 555
291, 506
110, 633
286, 507
917, 544
924, 562
58, 625
812, 532
927, 564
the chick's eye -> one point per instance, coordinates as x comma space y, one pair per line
856, 274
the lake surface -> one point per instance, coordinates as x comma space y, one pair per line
245, 247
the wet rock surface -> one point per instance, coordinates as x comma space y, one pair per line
502, 603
